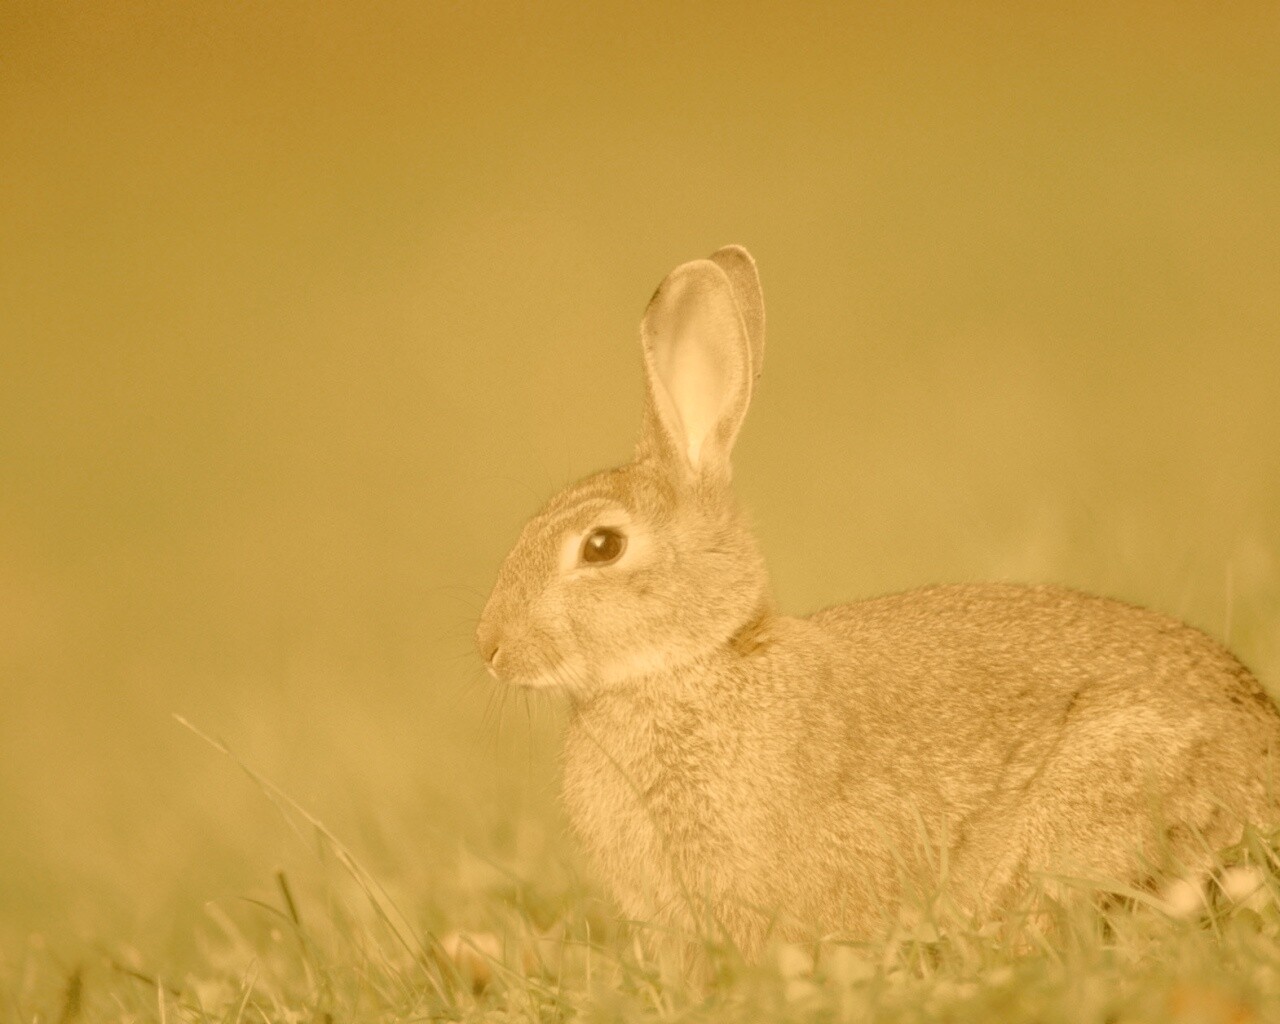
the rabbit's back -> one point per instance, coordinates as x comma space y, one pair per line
958, 660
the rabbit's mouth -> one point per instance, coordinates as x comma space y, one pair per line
574, 674
566, 674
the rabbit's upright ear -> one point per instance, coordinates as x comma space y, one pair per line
697, 360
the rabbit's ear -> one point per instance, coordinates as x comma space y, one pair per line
698, 363
740, 268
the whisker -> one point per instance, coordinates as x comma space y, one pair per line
469, 687
461, 629
454, 588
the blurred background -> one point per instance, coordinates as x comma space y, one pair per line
305, 308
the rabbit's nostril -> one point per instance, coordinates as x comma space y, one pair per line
491, 660
488, 646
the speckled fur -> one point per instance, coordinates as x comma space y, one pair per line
730, 767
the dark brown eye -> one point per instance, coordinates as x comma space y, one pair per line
603, 546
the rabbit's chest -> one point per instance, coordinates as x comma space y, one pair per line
652, 798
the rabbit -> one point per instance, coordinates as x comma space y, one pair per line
733, 768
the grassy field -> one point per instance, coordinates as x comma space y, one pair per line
337, 941
304, 310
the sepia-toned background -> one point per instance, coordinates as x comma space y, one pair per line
305, 308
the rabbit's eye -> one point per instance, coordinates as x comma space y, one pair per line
603, 546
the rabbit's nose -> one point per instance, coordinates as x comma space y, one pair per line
491, 662
487, 644
490, 658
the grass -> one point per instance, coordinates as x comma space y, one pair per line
336, 943
326, 958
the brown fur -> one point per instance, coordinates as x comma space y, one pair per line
728, 767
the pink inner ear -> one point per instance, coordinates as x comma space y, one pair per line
696, 376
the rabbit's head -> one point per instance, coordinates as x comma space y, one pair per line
641, 569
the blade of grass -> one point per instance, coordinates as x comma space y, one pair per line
381, 902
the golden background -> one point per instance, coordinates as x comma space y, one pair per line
305, 308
